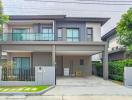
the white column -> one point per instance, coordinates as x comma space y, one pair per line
53, 56
105, 63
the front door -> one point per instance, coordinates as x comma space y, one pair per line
71, 67
59, 66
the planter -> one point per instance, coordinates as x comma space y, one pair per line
128, 76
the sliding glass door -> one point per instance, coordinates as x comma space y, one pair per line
19, 34
22, 64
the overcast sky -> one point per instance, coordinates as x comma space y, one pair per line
73, 9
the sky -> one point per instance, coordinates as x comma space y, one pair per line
71, 8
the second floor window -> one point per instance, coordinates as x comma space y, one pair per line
73, 35
59, 33
20, 33
47, 34
20, 30
90, 34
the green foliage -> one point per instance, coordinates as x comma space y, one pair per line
116, 68
8, 64
98, 67
3, 18
124, 30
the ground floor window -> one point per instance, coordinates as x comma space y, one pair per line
21, 64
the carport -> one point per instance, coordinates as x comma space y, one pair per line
77, 57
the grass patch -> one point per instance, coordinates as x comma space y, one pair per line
22, 88
117, 82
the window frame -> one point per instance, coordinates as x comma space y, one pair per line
21, 60
73, 38
60, 38
47, 34
19, 28
90, 34
19, 36
82, 62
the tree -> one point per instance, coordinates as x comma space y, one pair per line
3, 18
124, 30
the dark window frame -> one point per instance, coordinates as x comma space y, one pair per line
44, 27
60, 38
21, 28
72, 34
19, 35
21, 59
48, 30
81, 62
90, 34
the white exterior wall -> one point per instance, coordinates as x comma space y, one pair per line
96, 37
97, 57
113, 42
96, 31
5, 28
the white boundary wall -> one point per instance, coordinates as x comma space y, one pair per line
44, 75
128, 76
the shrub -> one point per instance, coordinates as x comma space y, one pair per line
97, 68
116, 69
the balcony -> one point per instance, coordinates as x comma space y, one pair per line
27, 37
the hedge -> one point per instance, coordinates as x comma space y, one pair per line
116, 68
98, 67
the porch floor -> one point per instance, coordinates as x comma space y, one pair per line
87, 86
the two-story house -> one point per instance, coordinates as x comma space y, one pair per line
115, 50
54, 40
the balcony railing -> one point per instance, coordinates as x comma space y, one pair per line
27, 37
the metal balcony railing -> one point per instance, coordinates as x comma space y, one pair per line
27, 37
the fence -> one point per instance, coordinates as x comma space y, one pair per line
18, 74
40, 75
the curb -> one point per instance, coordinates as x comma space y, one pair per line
26, 93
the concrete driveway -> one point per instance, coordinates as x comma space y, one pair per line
68, 86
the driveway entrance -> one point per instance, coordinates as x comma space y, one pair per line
87, 86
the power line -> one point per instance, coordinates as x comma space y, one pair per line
106, 0
66, 9
85, 3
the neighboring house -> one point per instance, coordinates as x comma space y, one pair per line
54, 40
116, 51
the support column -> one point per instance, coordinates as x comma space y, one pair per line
53, 55
54, 30
105, 63
53, 61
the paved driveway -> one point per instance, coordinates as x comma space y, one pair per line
87, 86
66, 98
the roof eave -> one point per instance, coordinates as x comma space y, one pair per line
108, 34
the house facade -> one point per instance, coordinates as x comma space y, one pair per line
66, 43
115, 50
